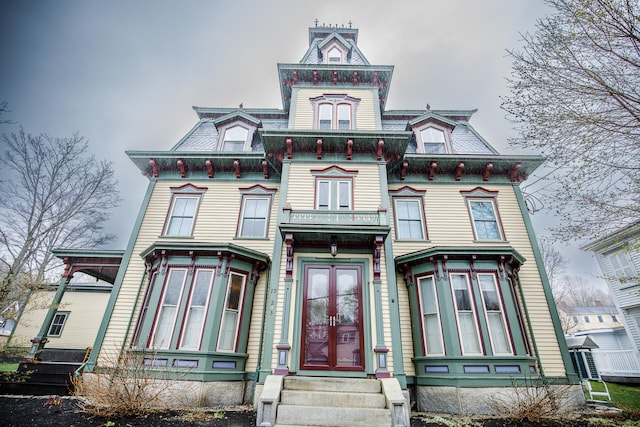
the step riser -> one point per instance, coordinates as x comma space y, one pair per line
327, 416
319, 398
332, 384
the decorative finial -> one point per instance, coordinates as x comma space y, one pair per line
241, 106
428, 107
316, 22
349, 23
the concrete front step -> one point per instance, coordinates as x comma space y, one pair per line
332, 399
343, 385
295, 415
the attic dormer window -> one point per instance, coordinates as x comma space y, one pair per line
334, 56
234, 138
433, 140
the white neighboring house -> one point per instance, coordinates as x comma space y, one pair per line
618, 255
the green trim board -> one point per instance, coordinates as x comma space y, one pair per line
126, 258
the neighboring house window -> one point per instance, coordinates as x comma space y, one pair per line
484, 214
197, 309
234, 138
431, 324
168, 310
433, 140
465, 314
231, 315
255, 212
334, 111
586, 319
622, 267
182, 213
492, 301
614, 318
59, 319
575, 319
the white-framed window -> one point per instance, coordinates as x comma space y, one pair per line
334, 56
431, 324
197, 309
235, 138
433, 140
614, 318
231, 312
57, 324
181, 218
465, 314
334, 194
621, 264
494, 314
483, 211
587, 319
255, 211
409, 218
334, 111
168, 309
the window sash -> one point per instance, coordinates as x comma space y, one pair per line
235, 138
168, 309
325, 116
494, 314
465, 314
181, 217
228, 336
433, 140
254, 216
333, 194
485, 220
431, 323
197, 309
344, 116
409, 219
57, 324
622, 266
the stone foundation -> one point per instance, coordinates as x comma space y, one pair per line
486, 400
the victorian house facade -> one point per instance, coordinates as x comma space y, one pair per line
333, 238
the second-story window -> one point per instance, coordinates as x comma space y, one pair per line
408, 212
182, 213
483, 210
333, 194
255, 212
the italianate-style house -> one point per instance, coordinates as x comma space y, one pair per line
333, 244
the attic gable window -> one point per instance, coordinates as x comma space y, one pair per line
433, 140
334, 112
334, 56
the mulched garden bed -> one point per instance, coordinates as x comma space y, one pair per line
55, 411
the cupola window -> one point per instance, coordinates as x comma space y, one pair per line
334, 56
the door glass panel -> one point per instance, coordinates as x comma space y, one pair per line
316, 346
347, 318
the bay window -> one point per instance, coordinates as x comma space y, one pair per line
465, 314
431, 323
492, 301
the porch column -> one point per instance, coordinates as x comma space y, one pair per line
38, 343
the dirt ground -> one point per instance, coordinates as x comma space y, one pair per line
43, 411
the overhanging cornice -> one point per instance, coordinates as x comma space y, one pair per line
512, 256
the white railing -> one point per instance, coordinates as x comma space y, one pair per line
617, 362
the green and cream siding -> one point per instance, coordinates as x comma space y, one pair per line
323, 178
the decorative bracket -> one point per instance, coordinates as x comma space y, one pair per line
432, 170
408, 275
288, 240
487, 171
355, 78
377, 252
445, 272
472, 266
289, 148
515, 172
219, 269
165, 258
236, 165
315, 77
192, 264
209, 166
265, 169
154, 167
459, 169
349, 148
380, 149
403, 171
436, 271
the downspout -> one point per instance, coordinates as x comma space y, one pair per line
530, 327
262, 328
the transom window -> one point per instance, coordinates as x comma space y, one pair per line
57, 324
235, 138
484, 214
182, 213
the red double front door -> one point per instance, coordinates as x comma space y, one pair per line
332, 335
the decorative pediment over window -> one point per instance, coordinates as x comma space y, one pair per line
334, 51
334, 111
334, 172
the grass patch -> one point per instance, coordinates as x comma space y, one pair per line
626, 397
9, 366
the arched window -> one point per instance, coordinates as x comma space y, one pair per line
234, 138
433, 140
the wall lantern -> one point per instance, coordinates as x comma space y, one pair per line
334, 248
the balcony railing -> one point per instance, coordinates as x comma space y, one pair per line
330, 218
617, 362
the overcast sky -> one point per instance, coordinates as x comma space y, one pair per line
125, 74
